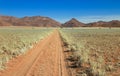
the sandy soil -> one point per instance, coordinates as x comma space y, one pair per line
44, 59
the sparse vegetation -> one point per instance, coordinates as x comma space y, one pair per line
96, 50
14, 42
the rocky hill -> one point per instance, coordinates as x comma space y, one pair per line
40, 21
73, 23
114, 23
30, 21
3, 23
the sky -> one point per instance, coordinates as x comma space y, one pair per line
63, 10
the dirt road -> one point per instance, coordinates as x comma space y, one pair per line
44, 59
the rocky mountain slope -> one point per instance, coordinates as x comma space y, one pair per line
40, 21
113, 23
30, 21
73, 23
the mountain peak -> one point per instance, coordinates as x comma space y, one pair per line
73, 23
73, 19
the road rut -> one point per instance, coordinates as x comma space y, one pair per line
44, 59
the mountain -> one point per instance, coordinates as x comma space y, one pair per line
40, 21
31, 21
113, 23
73, 23
3, 23
96, 24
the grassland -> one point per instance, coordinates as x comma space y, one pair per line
16, 41
94, 52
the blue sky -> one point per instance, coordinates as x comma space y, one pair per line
63, 10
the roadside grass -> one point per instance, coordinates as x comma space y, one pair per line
97, 50
16, 41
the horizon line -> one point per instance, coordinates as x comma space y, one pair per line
83, 19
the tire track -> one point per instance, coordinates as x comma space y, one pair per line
44, 59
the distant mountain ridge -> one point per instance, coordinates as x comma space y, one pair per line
113, 23
3, 23
30, 21
40, 21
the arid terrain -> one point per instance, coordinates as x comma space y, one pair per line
59, 38
59, 51
40, 21
37, 21
44, 59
